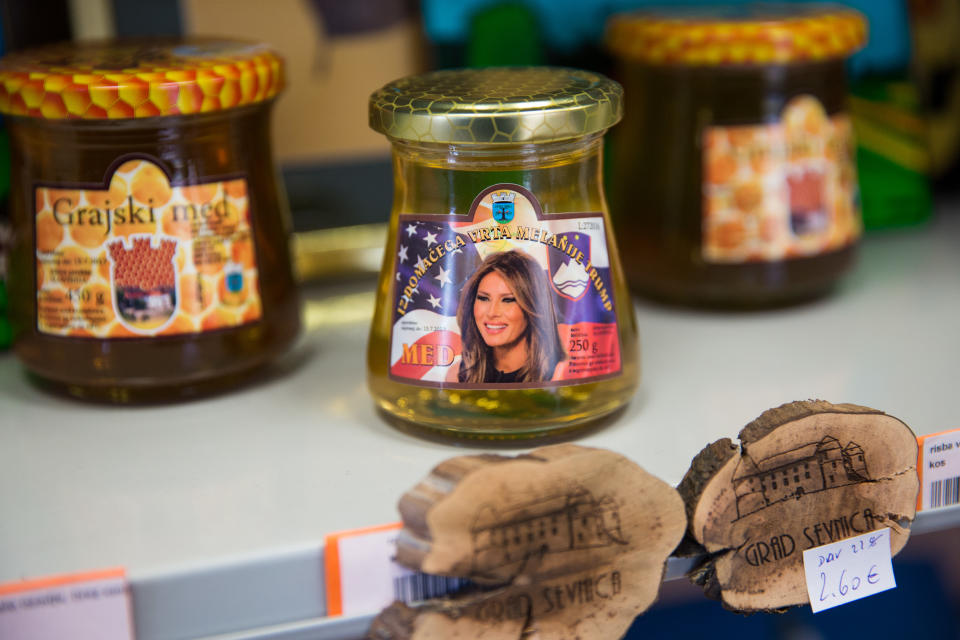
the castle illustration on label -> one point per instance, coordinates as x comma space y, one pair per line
810, 468
569, 522
144, 280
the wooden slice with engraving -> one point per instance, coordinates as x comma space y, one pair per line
564, 542
805, 474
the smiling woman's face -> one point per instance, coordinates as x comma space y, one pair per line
497, 313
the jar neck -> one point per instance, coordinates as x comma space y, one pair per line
190, 146
487, 157
445, 178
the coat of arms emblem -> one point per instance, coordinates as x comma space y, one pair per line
502, 206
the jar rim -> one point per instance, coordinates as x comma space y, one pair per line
761, 34
138, 78
496, 105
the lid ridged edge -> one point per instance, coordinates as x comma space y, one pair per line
813, 33
228, 74
506, 105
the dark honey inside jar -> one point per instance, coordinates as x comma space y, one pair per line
150, 257
732, 178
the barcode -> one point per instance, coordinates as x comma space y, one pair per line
421, 586
944, 492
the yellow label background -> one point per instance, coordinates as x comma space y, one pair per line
214, 271
749, 212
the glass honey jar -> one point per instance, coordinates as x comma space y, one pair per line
732, 176
502, 308
149, 259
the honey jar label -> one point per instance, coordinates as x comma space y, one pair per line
138, 256
782, 190
503, 295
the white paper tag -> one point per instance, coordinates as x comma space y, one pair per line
940, 470
91, 606
368, 572
841, 572
362, 577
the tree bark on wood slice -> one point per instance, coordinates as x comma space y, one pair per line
805, 474
565, 542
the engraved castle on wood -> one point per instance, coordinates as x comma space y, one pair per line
813, 467
567, 522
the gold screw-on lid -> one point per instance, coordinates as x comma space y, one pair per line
741, 35
507, 105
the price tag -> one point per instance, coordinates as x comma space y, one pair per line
360, 570
362, 578
83, 606
939, 468
841, 572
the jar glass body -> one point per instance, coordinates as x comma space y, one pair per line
193, 150
445, 179
659, 172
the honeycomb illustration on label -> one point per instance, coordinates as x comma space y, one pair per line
139, 256
782, 190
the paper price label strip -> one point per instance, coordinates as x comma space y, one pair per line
939, 469
81, 606
362, 576
848, 570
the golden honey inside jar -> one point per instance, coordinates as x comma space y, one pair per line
733, 178
502, 309
150, 258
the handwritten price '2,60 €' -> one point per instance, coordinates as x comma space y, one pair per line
845, 583
848, 570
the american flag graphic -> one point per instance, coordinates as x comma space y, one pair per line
426, 338
440, 287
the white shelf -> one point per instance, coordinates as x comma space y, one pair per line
217, 507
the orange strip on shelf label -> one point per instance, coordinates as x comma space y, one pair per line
362, 578
939, 470
360, 570
93, 605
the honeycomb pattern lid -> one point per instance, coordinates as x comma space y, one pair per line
496, 105
750, 34
137, 79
